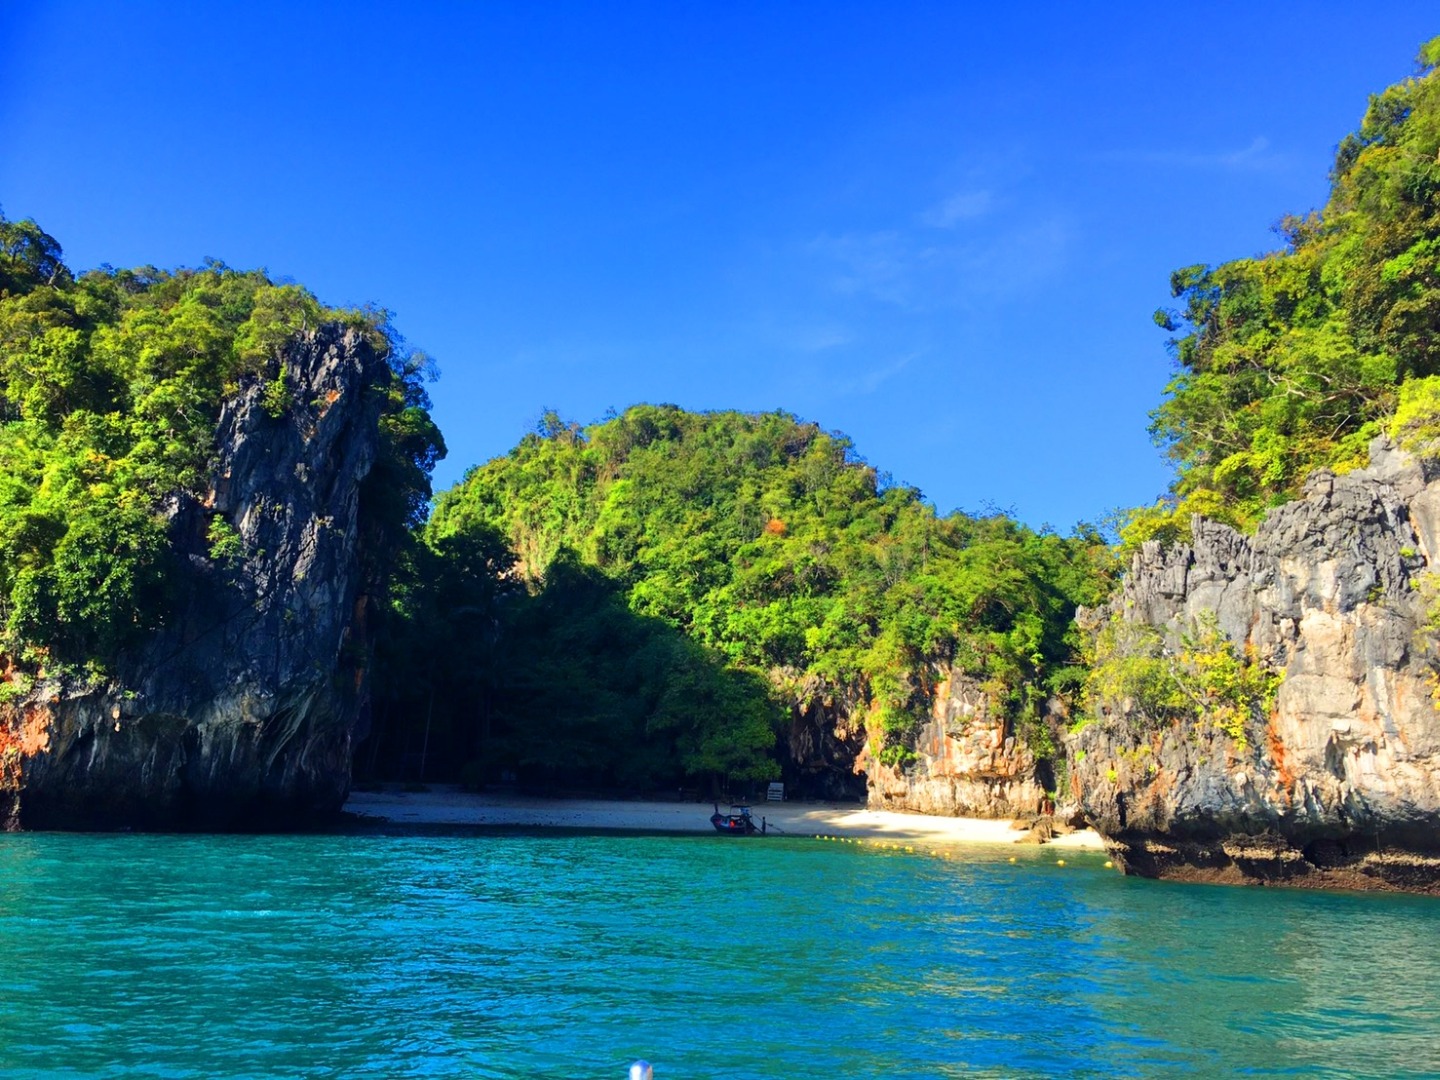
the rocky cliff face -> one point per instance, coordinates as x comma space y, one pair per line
964, 761
820, 756
967, 763
242, 710
1340, 783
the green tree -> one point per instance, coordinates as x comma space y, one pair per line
111, 384
770, 546
1293, 360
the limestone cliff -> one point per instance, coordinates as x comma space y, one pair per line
967, 761
242, 709
1340, 783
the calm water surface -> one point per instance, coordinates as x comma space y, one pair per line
569, 956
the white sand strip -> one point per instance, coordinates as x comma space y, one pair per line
450, 806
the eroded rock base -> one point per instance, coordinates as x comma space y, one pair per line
1271, 860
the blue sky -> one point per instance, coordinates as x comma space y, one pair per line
939, 228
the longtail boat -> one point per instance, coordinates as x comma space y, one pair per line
737, 822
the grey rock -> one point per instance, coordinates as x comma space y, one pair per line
242, 710
1340, 785
824, 742
967, 761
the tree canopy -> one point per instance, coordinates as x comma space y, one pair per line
111, 383
1295, 359
769, 544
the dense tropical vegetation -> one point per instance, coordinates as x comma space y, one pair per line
110, 386
679, 579
560, 686
766, 547
644, 601
1286, 363
1297, 359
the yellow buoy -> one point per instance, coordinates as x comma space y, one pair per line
1108, 864
1012, 858
1059, 862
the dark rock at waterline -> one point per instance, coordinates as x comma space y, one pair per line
1340, 784
242, 711
1273, 859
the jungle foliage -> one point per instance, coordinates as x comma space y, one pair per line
765, 545
1296, 359
563, 686
111, 383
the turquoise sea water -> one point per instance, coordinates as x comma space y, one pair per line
565, 956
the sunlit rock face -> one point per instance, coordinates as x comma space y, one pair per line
242, 710
964, 761
967, 761
1340, 785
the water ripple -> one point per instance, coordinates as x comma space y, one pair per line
568, 956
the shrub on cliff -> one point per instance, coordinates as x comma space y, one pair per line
110, 386
1140, 678
1293, 360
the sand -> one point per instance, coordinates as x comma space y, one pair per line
448, 806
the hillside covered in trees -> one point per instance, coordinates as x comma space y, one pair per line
768, 548
648, 601
665, 586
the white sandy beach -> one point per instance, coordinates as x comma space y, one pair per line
450, 806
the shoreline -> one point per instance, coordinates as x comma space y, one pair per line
447, 806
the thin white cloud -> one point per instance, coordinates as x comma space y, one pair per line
813, 339
961, 206
1257, 156
868, 382
1015, 260
876, 264
911, 271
